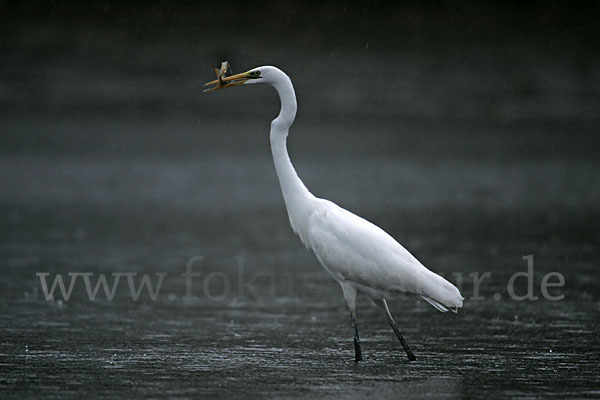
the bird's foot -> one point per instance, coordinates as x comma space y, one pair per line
357, 352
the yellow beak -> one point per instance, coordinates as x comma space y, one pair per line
226, 81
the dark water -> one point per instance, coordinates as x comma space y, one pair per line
473, 155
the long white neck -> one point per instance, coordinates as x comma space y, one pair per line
298, 200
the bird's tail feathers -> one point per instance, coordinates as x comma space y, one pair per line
436, 304
439, 306
441, 294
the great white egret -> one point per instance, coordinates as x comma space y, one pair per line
359, 255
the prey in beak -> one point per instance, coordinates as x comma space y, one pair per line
226, 79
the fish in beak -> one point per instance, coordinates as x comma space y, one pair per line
226, 79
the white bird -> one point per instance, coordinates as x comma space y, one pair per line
359, 255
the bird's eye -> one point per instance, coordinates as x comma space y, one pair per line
255, 74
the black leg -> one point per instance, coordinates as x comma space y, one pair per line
357, 352
409, 353
350, 296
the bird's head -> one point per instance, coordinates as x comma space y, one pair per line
265, 74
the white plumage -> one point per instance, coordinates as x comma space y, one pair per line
359, 255
352, 249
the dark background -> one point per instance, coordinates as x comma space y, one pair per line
467, 130
482, 70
